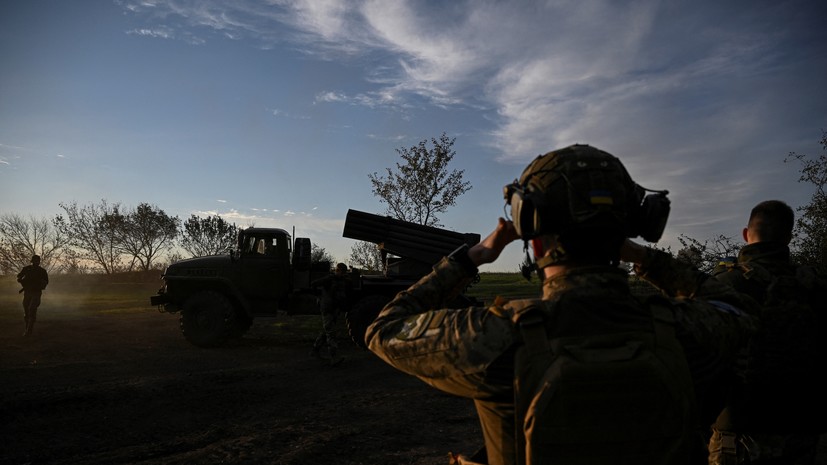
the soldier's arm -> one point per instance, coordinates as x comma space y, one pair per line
678, 279
450, 349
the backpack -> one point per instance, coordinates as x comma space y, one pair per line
611, 398
780, 389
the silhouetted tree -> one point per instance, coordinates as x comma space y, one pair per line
318, 254
93, 230
706, 255
145, 232
20, 238
367, 256
208, 236
810, 236
422, 186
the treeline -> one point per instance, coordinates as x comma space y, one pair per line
109, 238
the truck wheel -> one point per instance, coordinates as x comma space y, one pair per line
207, 319
362, 314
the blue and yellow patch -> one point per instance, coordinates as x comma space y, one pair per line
601, 197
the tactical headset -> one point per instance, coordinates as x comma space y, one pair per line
583, 187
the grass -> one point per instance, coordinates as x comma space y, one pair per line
508, 285
85, 295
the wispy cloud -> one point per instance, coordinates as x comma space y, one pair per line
157, 33
283, 114
546, 74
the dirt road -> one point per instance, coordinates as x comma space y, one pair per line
127, 388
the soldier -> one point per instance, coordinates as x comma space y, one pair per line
588, 373
776, 410
335, 291
34, 279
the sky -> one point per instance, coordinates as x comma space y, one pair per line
273, 113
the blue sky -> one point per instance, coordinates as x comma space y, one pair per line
273, 113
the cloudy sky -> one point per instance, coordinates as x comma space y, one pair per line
274, 112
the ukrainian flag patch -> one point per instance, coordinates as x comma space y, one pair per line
600, 197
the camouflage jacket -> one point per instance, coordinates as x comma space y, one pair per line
771, 258
469, 352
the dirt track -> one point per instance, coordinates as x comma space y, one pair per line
127, 388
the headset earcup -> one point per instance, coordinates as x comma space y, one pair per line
654, 212
528, 219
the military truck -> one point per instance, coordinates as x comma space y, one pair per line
218, 297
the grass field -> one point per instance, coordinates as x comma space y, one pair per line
87, 294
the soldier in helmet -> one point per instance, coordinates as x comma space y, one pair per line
34, 279
335, 291
587, 372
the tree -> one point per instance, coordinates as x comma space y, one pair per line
93, 230
367, 256
319, 254
422, 186
20, 238
706, 255
145, 232
810, 234
208, 236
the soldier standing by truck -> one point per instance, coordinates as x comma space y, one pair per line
335, 291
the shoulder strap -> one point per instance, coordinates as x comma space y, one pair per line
528, 317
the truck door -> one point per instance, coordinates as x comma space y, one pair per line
265, 266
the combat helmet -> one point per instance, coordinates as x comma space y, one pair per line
581, 192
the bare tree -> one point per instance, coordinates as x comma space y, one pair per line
20, 238
93, 230
208, 236
706, 255
810, 241
422, 187
367, 256
145, 232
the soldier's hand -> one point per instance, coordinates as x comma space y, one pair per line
490, 248
632, 252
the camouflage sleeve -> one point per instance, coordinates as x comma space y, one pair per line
450, 349
680, 280
710, 312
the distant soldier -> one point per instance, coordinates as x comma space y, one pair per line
335, 290
34, 279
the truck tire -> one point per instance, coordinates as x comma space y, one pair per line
362, 314
207, 319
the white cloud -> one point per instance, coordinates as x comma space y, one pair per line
158, 33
